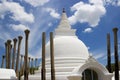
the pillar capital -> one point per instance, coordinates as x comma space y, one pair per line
20, 37
21, 55
115, 29
29, 58
35, 58
27, 31
3, 56
9, 41
15, 40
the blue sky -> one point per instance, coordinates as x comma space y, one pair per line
92, 19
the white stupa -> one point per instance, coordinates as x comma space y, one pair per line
69, 51
71, 56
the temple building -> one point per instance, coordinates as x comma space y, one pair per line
71, 57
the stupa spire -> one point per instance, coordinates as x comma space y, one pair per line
64, 27
63, 10
64, 23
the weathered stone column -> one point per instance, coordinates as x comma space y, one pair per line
26, 54
108, 53
23, 67
14, 52
11, 56
29, 65
32, 62
43, 70
35, 62
3, 57
29, 61
18, 53
21, 62
32, 66
52, 56
9, 53
116, 54
6, 52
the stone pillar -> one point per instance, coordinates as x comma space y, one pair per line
29, 61
23, 67
26, 54
43, 70
35, 62
108, 53
10, 56
14, 52
18, 53
116, 54
52, 56
32, 66
3, 57
9, 53
6, 53
29, 65
21, 62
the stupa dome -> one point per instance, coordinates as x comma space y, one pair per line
68, 46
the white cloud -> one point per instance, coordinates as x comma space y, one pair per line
87, 13
88, 30
88, 48
99, 56
112, 54
111, 2
53, 13
36, 3
18, 12
37, 53
118, 3
108, 2
19, 27
50, 24
90, 12
96, 2
5, 36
